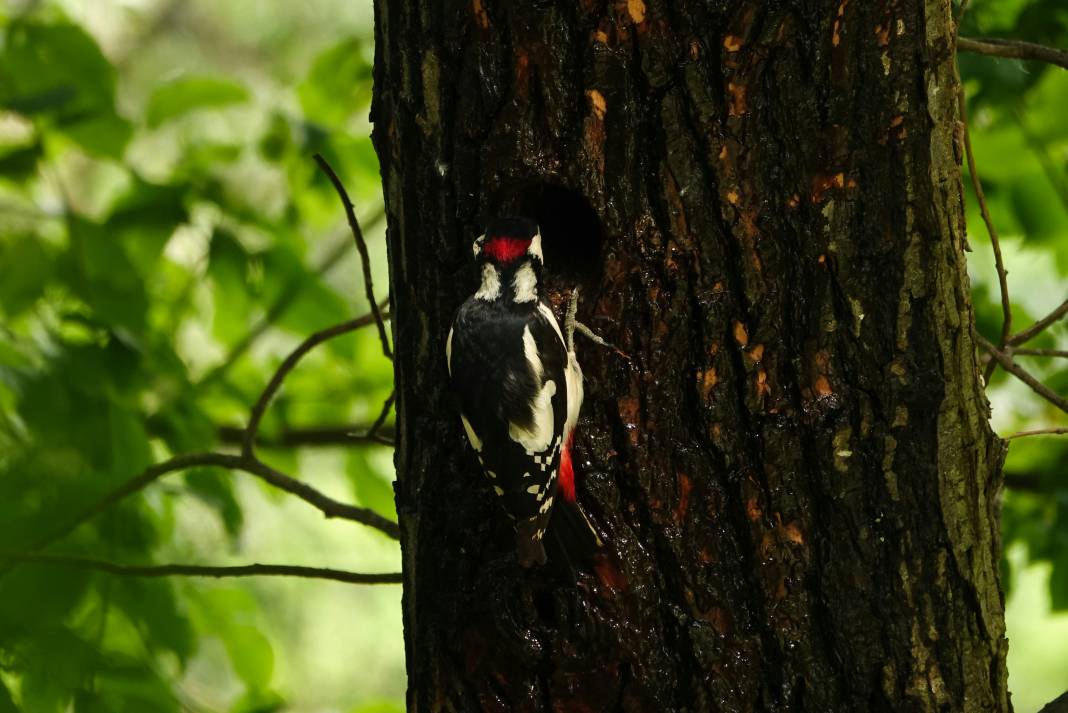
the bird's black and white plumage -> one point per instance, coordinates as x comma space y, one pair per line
520, 389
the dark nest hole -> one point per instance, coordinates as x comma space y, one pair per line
571, 233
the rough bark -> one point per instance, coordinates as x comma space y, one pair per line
762, 204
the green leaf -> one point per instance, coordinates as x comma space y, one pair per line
373, 489
278, 139
105, 134
251, 655
378, 707
155, 605
229, 613
215, 487
338, 84
130, 451
54, 68
99, 270
145, 217
7, 703
1037, 208
25, 268
190, 94
1058, 585
228, 267
19, 164
259, 702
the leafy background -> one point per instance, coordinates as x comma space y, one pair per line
165, 240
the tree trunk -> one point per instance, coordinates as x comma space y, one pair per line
795, 476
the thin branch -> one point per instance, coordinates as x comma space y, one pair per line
995, 242
194, 570
318, 436
1013, 49
1024, 351
287, 365
278, 308
328, 506
1038, 327
1062, 431
1013, 368
387, 406
139, 482
361, 245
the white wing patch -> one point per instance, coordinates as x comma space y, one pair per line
540, 435
530, 351
572, 372
491, 283
476, 442
525, 284
448, 351
551, 319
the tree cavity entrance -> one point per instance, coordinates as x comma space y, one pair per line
571, 235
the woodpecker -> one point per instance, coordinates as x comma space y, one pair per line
519, 387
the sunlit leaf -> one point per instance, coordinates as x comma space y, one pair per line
99, 270
7, 703
337, 85
104, 134
25, 268
55, 68
215, 487
371, 486
378, 707
190, 94
153, 604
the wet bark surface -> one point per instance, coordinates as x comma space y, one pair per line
761, 203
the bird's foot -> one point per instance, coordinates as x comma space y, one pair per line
572, 325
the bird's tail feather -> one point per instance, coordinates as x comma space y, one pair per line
571, 536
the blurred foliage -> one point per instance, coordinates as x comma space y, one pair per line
165, 239
1016, 114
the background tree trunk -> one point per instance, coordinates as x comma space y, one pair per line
762, 204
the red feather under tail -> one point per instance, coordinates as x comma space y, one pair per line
567, 471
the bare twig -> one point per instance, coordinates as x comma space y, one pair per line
131, 486
1016, 370
328, 506
1013, 49
995, 242
287, 365
387, 406
361, 245
332, 435
1024, 351
1038, 327
278, 308
193, 570
1039, 432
